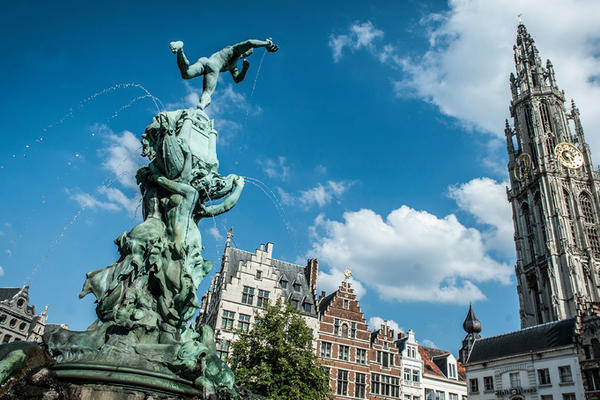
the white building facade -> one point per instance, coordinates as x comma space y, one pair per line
246, 282
18, 320
537, 363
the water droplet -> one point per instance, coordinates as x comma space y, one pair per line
76, 154
26, 146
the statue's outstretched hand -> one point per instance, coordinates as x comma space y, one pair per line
271, 47
176, 46
245, 64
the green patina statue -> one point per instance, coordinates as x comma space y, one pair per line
221, 61
147, 297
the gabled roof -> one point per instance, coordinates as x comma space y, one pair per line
8, 293
326, 301
537, 338
429, 354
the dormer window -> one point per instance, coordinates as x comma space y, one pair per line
283, 283
20, 303
307, 307
346, 304
296, 287
451, 370
259, 275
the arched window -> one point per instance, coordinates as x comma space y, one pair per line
538, 207
13, 322
20, 303
592, 234
545, 114
345, 330
550, 144
586, 208
570, 216
6, 339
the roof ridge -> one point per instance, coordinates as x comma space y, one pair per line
526, 329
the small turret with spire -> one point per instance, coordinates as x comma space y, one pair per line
472, 326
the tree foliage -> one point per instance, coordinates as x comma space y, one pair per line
276, 358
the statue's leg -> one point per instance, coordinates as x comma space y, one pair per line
210, 83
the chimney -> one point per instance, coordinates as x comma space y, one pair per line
269, 249
312, 267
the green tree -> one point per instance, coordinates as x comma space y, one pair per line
276, 358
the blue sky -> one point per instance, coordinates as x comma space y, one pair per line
376, 130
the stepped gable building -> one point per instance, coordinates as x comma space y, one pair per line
247, 281
379, 365
588, 344
19, 320
472, 326
554, 192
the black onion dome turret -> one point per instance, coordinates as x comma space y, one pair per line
471, 324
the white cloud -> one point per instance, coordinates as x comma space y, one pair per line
320, 195
359, 35
485, 199
429, 343
465, 69
214, 232
86, 200
122, 157
410, 255
1, 271
331, 281
275, 169
376, 322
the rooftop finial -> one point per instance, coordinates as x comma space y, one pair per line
471, 324
347, 274
229, 236
520, 18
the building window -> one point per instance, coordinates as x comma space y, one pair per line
283, 284
345, 330
353, 330
488, 383
360, 385
336, 326
263, 298
592, 376
342, 383
259, 275
473, 385
568, 396
222, 348
416, 375
343, 352
565, 374
326, 349
22, 326
6, 339
593, 240
385, 385
439, 395
406, 374
411, 352
451, 370
515, 379
2, 318
429, 394
13, 322
395, 387
295, 303
244, 322
543, 376
416, 398
375, 383
546, 397
248, 295
346, 304
296, 287
586, 209
307, 307
227, 320
361, 356
452, 396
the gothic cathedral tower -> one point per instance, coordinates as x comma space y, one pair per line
554, 193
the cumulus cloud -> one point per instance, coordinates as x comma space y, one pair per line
485, 199
320, 195
359, 35
330, 281
275, 169
409, 255
376, 322
122, 157
464, 70
214, 232
86, 200
429, 343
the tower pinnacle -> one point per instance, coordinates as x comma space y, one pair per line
471, 324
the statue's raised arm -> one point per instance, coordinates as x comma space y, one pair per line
221, 61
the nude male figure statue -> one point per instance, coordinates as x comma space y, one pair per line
221, 61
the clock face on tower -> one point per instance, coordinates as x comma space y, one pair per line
569, 155
522, 167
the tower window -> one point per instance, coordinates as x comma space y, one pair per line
594, 242
545, 114
586, 209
